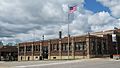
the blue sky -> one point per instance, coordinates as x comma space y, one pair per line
95, 6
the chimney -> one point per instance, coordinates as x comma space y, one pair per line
60, 34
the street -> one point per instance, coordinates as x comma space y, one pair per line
83, 63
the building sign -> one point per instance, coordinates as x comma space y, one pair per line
114, 38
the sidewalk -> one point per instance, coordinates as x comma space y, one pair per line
43, 63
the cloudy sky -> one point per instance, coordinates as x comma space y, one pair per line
27, 20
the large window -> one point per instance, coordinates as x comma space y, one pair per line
64, 47
28, 48
104, 46
36, 48
55, 47
93, 44
21, 49
79, 46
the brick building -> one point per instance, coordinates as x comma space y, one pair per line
8, 53
96, 44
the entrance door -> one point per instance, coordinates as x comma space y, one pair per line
99, 50
28, 58
45, 52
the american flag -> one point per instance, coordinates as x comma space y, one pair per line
72, 9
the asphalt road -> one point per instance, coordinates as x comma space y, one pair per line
87, 63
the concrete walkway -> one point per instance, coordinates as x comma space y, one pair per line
24, 64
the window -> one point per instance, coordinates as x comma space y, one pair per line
104, 46
93, 45
76, 47
21, 49
28, 48
54, 47
57, 47
36, 57
54, 57
37, 48
79, 46
64, 47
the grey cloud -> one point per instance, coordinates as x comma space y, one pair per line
21, 19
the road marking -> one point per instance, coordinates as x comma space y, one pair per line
48, 64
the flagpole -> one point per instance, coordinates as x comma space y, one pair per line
68, 36
71, 10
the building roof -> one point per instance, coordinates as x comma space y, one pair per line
82, 37
101, 33
8, 49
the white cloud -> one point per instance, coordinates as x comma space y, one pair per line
102, 21
27, 20
101, 18
114, 6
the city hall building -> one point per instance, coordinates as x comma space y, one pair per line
97, 44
